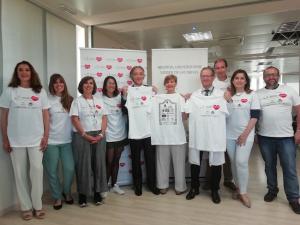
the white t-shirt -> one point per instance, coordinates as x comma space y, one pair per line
207, 121
239, 114
116, 130
139, 100
166, 120
60, 122
89, 111
222, 85
25, 117
276, 111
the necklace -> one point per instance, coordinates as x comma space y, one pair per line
92, 108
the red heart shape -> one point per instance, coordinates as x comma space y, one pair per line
216, 107
122, 164
244, 100
119, 59
139, 60
98, 106
87, 66
129, 82
108, 67
144, 98
98, 58
120, 74
99, 74
129, 67
99, 89
34, 98
282, 95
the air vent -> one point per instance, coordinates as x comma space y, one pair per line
264, 63
287, 34
66, 9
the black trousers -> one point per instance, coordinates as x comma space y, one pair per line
136, 146
216, 172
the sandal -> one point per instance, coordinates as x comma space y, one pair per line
27, 215
40, 214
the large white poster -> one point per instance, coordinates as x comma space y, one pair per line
185, 63
100, 63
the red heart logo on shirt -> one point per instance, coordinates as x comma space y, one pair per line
98, 58
129, 67
122, 164
282, 95
99, 74
119, 59
144, 98
120, 74
216, 107
98, 106
87, 66
108, 67
139, 60
244, 100
99, 89
34, 98
129, 82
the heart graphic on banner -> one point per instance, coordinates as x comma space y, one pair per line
144, 98
99, 74
98, 106
34, 98
108, 67
120, 74
87, 66
129, 67
139, 60
282, 95
98, 58
216, 107
119, 59
244, 100
129, 82
99, 89
122, 164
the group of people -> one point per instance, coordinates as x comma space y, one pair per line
87, 135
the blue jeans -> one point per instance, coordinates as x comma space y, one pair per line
286, 149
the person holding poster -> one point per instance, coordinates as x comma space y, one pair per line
116, 133
167, 132
244, 108
207, 111
88, 115
25, 131
138, 103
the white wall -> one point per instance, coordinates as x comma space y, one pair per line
49, 43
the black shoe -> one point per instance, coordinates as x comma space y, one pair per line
155, 191
270, 196
192, 193
70, 202
138, 191
295, 206
98, 199
215, 197
230, 185
82, 200
57, 207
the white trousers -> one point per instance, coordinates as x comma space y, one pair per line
164, 154
20, 158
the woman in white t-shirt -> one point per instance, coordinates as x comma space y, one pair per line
244, 109
59, 143
25, 131
116, 133
89, 119
168, 134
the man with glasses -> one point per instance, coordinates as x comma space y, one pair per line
276, 136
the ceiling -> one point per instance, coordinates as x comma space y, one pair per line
242, 29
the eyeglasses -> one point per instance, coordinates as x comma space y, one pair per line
271, 75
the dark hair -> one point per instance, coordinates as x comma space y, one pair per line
208, 68
104, 90
35, 82
66, 98
83, 81
134, 68
170, 77
271, 67
247, 85
221, 60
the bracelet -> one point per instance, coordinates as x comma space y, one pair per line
83, 134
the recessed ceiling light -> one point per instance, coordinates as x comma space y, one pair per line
198, 36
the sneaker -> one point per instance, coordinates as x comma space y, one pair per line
118, 190
295, 206
82, 200
104, 194
98, 199
270, 196
163, 191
